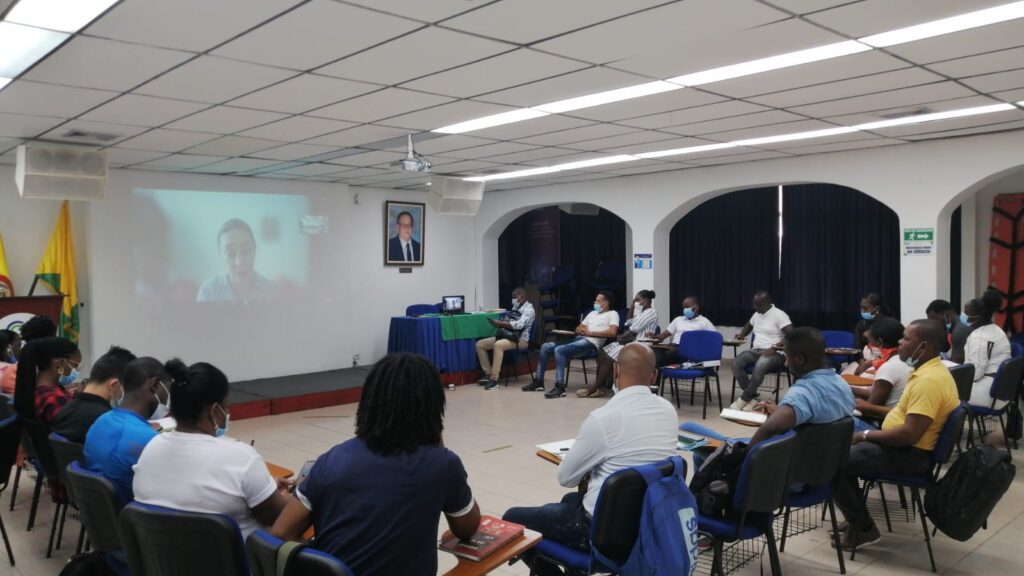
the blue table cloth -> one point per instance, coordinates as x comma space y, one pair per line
423, 336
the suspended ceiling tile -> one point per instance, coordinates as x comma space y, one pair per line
840, 146
292, 152
446, 143
664, 102
162, 140
527, 21
885, 81
497, 73
542, 153
105, 64
671, 144
632, 138
859, 19
961, 44
296, 128
233, 165
489, 150
140, 110
303, 93
534, 127
587, 81
180, 162
968, 131
766, 118
998, 82
445, 114
121, 157
656, 30
213, 80
38, 99
736, 158
233, 146
807, 6
688, 54
72, 132
160, 23
379, 105
939, 106
694, 114
414, 55
432, 11
578, 134
314, 34
982, 63
22, 126
772, 130
366, 134
912, 96
225, 120
956, 124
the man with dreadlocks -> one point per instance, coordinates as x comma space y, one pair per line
375, 499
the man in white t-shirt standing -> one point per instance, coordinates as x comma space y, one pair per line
599, 325
689, 319
768, 324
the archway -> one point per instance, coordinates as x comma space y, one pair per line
816, 247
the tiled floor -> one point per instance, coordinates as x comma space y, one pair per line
495, 433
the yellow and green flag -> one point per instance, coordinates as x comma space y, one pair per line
6, 286
57, 271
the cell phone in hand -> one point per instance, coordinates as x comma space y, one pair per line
303, 472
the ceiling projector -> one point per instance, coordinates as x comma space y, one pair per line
413, 161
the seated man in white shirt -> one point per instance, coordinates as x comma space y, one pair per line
641, 322
635, 427
689, 319
768, 324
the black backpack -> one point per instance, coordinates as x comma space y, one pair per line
86, 564
960, 502
715, 482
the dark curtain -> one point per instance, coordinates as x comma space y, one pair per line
584, 242
723, 251
955, 246
838, 244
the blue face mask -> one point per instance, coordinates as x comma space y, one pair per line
689, 313
597, 308
69, 378
219, 431
949, 326
964, 318
867, 315
911, 361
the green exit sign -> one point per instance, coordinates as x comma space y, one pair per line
919, 234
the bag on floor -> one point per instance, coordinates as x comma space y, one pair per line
668, 517
960, 502
715, 481
1014, 421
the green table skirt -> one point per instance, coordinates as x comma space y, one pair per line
467, 326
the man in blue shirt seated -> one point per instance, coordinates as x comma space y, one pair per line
818, 396
116, 440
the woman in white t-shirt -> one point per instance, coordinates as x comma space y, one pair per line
599, 325
195, 468
889, 372
986, 348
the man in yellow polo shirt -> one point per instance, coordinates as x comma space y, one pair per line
909, 433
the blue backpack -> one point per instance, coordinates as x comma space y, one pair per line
667, 541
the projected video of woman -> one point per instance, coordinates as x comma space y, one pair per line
241, 282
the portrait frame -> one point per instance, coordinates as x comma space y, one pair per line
393, 253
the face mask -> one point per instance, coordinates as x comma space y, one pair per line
217, 430
115, 402
69, 378
867, 315
913, 362
515, 303
964, 318
162, 409
689, 313
638, 308
597, 308
949, 326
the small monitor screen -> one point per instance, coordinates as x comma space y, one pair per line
453, 304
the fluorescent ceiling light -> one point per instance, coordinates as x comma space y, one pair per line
795, 136
515, 174
608, 97
771, 63
22, 46
949, 25
935, 116
492, 120
4, 82
60, 15
556, 168
687, 150
597, 162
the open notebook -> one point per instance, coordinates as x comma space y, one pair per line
741, 416
560, 448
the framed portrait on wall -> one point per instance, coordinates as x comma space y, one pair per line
404, 230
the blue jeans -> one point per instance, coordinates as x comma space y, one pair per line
578, 348
566, 523
762, 366
860, 425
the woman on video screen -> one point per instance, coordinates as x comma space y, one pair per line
241, 282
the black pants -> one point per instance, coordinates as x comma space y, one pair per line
666, 357
868, 458
566, 523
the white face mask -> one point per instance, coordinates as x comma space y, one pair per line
115, 402
515, 302
638, 308
162, 409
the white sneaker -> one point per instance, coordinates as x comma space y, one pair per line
751, 406
738, 404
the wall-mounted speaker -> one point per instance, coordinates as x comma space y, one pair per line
455, 195
60, 172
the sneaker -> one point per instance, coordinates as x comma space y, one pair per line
582, 393
483, 381
704, 541
534, 386
556, 392
751, 406
842, 527
738, 404
491, 384
859, 538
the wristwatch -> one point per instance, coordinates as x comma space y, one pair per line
864, 436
